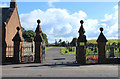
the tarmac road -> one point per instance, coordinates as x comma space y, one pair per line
57, 65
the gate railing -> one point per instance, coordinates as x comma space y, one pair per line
91, 53
91, 49
112, 51
27, 54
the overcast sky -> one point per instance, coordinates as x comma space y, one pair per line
61, 20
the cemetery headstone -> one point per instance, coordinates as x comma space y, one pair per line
112, 51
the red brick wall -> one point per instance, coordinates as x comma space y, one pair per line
11, 27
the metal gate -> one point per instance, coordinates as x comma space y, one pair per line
91, 53
113, 50
27, 53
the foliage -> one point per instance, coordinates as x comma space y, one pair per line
63, 43
45, 38
23, 29
73, 42
60, 43
56, 42
92, 58
109, 41
60, 40
29, 35
94, 41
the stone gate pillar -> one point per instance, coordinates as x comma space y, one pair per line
38, 44
101, 47
81, 45
17, 39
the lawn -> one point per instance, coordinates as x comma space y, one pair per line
88, 51
64, 49
47, 48
109, 41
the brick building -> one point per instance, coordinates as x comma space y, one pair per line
10, 21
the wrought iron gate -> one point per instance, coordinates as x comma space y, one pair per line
27, 53
91, 53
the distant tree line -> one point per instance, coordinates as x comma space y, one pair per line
29, 35
60, 43
74, 41
66, 43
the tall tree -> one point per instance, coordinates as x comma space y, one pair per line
45, 38
73, 42
60, 40
63, 43
29, 35
56, 42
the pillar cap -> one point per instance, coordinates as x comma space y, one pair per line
101, 37
81, 30
38, 29
82, 37
17, 36
38, 37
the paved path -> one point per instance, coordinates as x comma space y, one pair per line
54, 56
57, 65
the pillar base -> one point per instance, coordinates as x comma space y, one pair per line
81, 62
38, 61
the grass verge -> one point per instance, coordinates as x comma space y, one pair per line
65, 50
47, 48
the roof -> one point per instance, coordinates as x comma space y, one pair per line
6, 14
101, 37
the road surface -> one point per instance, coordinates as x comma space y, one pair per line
57, 65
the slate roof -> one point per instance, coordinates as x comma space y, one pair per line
6, 14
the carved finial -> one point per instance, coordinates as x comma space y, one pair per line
81, 30
38, 21
101, 29
17, 36
18, 29
38, 29
81, 21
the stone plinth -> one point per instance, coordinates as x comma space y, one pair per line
17, 40
38, 44
101, 47
81, 46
